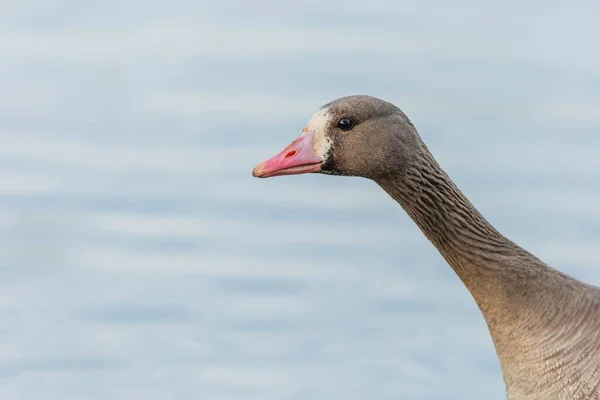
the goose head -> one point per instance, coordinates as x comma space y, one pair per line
353, 136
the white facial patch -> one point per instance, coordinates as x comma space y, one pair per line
318, 124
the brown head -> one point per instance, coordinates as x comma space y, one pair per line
354, 136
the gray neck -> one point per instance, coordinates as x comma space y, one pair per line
472, 246
524, 301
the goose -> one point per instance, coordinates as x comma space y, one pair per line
544, 324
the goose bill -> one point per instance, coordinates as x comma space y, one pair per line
297, 158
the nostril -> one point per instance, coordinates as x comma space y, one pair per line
290, 154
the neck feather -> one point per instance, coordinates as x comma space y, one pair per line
490, 265
534, 312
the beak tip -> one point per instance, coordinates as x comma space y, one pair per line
257, 171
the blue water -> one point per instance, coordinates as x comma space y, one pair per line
140, 260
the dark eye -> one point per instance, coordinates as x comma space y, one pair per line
345, 124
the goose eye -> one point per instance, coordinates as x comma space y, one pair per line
345, 124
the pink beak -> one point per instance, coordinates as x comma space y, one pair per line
298, 158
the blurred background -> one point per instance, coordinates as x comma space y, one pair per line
139, 259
